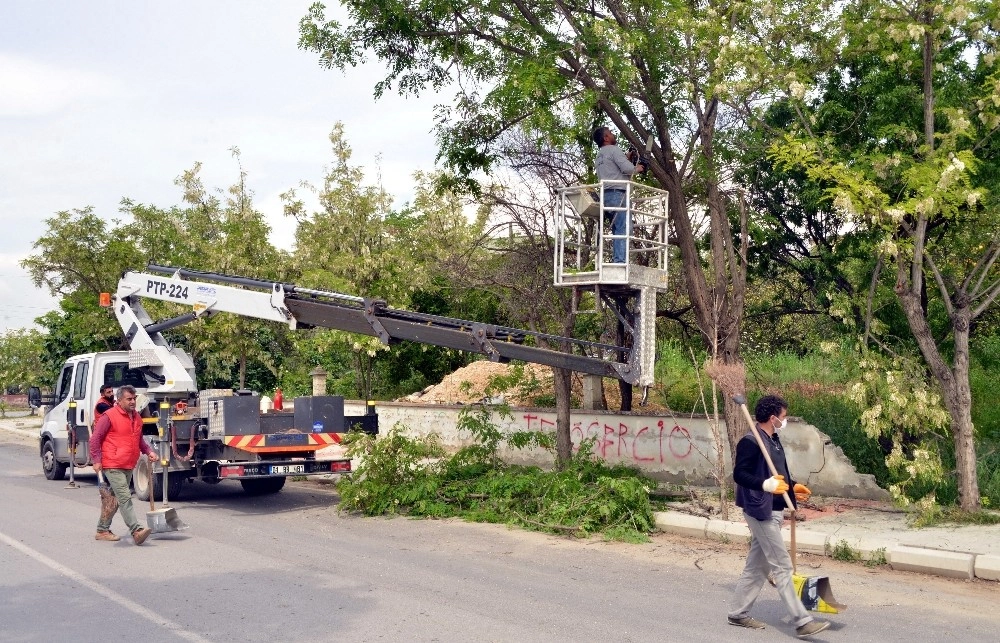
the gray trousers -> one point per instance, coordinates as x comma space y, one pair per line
767, 553
119, 480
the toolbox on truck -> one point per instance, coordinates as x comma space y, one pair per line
319, 414
237, 415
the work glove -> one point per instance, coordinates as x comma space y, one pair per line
776, 485
802, 492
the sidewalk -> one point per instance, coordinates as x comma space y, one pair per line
26, 425
872, 531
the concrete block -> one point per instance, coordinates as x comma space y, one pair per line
734, 532
683, 524
932, 561
988, 566
809, 542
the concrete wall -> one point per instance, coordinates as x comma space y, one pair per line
671, 449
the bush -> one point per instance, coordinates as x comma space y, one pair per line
412, 476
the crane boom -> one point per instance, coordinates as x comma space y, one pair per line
208, 293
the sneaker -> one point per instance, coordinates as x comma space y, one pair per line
140, 535
746, 621
810, 628
106, 535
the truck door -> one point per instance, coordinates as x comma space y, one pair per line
81, 393
54, 424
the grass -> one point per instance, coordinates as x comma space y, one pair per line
878, 558
843, 551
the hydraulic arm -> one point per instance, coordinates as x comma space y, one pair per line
207, 293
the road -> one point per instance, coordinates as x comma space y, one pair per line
290, 567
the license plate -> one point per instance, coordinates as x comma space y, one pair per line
288, 468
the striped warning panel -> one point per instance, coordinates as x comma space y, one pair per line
261, 441
244, 441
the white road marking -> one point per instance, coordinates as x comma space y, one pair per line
130, 605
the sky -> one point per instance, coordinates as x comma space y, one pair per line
104, 100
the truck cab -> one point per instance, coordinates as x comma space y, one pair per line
78, 388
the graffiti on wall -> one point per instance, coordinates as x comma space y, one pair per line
657, 443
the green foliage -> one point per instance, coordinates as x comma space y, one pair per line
877, 559
357, 243
395, 472
896, 403
677, 381
933, 514
412, 476
21, 363
843, 551
989, 477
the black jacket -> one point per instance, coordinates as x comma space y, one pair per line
750, 471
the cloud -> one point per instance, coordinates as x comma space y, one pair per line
22, 302
32, 88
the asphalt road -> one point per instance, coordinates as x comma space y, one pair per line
289, 567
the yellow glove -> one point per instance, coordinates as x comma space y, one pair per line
776, 485
802, 492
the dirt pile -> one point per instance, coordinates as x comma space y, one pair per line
468, 385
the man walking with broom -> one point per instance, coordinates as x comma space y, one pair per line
761, 496
115, 447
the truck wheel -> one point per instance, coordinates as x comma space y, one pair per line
140, 481
175, 482
54, 470
262, 486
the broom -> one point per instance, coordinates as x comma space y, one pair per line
814, 591
109, 503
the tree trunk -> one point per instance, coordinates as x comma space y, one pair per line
958, 401
561, 379
953, 381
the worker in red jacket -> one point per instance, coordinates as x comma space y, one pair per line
106, 401
115, 446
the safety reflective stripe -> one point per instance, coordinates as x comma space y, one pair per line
260, 440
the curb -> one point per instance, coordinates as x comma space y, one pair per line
922, 560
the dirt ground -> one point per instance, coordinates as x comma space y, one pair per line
468, 385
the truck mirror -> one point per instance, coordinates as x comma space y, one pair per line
34, 397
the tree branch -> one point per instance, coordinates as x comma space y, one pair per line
942, 288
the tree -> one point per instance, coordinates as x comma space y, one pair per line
357, 244
673, 71
77, 258
512, 259
21, 363
922, 174
215, 231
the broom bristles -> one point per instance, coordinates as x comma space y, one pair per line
731, 378
109, 503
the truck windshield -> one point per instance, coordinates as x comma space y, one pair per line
118, 374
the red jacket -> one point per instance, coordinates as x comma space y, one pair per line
117, 439
101, 408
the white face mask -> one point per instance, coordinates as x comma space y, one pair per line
781, 426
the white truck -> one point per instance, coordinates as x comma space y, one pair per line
216, 435
208, 435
